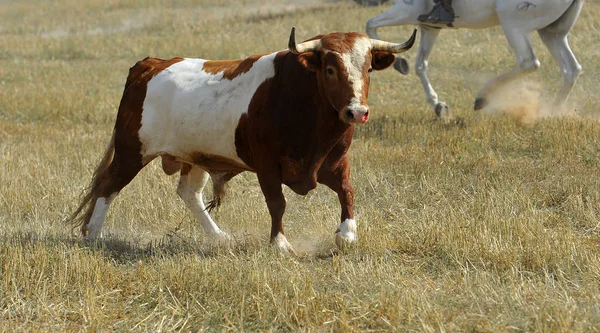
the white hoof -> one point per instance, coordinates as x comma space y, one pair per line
346, 234
282, 246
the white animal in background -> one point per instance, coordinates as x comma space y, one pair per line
552, 19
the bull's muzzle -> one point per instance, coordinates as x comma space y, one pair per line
356, 114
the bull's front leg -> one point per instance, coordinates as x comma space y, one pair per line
338, 180
273, 193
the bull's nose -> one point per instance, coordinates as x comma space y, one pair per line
357, 114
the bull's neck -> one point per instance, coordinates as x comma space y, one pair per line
327, 117
310, 112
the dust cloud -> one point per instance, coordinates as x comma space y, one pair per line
312, 245
523, 101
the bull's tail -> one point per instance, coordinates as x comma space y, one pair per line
81, 216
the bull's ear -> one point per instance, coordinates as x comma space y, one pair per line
310, 60
382, 60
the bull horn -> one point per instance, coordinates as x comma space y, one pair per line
311, 45
379, 45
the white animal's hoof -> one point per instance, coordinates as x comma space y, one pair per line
480, 103
401, 65
442, 110
345, 236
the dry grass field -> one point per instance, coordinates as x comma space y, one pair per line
488, 223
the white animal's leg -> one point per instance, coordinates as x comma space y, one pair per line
399, 14
428, 38
191, 185
520, 41
558, 45
98, 216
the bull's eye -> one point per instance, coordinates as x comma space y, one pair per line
370, 69
329, 71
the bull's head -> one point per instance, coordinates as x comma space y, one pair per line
343, 63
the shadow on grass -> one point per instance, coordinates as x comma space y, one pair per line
130, 251
124, 250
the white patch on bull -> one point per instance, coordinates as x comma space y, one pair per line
354, 62
346, 234
98, 216
188, 110
282, 245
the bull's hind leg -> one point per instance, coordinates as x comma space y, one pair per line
92, 229
191, 184
107, 183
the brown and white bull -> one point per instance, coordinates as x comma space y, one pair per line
287, 116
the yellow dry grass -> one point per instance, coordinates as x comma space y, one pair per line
480, 224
